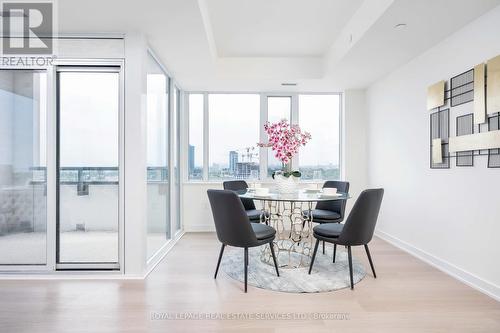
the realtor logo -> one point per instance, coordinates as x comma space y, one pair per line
28, 27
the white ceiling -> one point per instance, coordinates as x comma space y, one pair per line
279, 28
255, 45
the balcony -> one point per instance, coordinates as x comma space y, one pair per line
88, 228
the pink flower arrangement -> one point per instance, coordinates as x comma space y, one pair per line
284, 139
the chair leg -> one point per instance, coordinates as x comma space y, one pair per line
271, 245
350, 266
246, 267
334, 252
323, 247
370, 260
220, 258
314, 255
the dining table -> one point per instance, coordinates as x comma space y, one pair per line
292, 215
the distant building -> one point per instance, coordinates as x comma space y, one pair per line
191, 159
233, 161
244, 169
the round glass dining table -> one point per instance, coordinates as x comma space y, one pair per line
292, 216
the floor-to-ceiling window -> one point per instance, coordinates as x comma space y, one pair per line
195, 141
158, 196
62, 161
233, 133
234, 123
88, 165
320, 115
23, 200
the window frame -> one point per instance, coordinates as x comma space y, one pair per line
263, 160
341, 132
182, 142
111, 67
168, 152
206, 108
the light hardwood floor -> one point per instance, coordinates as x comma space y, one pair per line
407, 296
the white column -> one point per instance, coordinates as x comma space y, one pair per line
135, 155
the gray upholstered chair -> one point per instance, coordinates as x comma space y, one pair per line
233, 227
240, 186
330, 211
357, 230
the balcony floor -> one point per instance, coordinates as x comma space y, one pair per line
76, 246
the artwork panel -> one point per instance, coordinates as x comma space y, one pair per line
437, 151
479, 95
486, 140
493, 85
435, 95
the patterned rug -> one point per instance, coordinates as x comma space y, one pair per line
325, 276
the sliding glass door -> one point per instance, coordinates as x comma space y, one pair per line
23, 181
88, 168
158, 171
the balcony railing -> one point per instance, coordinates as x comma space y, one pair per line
95, 175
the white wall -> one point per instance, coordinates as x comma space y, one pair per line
449, 217
196, 213
355, 143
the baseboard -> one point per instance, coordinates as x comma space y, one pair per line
469, 279
67, 275
200, 228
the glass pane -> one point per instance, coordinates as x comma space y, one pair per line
177, 172
88, 167
23, 200
320, 115
195, 148
158, 220
234, 133
278, 108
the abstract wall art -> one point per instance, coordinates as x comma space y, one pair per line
473, 99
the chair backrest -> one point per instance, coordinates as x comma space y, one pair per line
360, 225
231, 221
337, 206
239, 185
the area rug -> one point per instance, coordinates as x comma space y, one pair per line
325, 276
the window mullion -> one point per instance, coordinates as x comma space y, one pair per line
206, 144
294, 119
263, 137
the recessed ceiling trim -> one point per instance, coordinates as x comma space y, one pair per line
205, 17
367, 14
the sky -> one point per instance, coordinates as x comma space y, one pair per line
234, 123
89, 125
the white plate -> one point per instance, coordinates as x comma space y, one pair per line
330, 195
311, 190
262, 196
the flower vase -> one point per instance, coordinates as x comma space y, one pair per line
286, 185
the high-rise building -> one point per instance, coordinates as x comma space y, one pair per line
233, 161
244, 169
